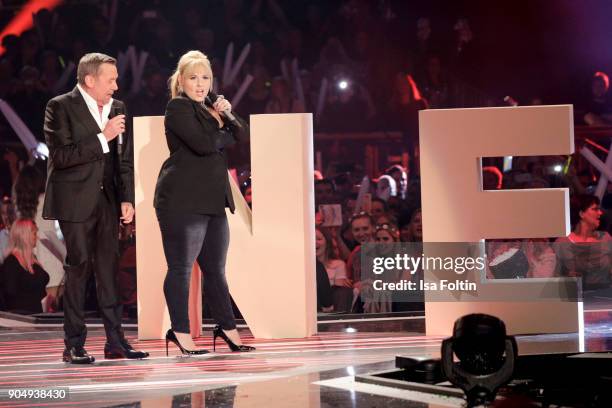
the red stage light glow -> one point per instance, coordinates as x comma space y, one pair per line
23, 20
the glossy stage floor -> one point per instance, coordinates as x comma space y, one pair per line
312, 372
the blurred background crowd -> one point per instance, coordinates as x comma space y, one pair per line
364, 68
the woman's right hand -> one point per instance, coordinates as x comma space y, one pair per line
222, 104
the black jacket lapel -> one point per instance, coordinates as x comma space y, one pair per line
204, 116
83, 113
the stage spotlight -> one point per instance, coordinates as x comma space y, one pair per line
486, 357
343, 84
558, 168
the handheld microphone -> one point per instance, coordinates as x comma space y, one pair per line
118, 111
211, 98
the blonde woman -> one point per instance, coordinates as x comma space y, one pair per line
7, 216
191, 195
50, 250
23, 279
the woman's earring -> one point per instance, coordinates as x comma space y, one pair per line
180, 89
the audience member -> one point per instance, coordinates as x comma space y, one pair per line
7, 217
342, 292
380, 301
386, 187
347, 99
281, 98
10, 171
401, 177
324, 192
387, 219
50, 251
586, 252
392, 184
386, 233
403, 108
23, 279
424, 44
255, 101
153, 96
599, 105
464, 54
377, 208
325, 302
29, 187
541, 257
29, 98
413, 230
51, 72
436, 86
362, 228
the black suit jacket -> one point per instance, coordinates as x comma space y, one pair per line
194, 178
76, 160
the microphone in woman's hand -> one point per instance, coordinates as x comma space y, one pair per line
211, 98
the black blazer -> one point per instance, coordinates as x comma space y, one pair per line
76, 160
194, 178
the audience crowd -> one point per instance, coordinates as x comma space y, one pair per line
325, 57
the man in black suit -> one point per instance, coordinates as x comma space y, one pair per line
90, 180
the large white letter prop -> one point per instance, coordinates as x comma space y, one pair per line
456, 209
271, 271
270, 266
150, 151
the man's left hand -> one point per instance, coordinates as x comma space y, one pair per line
127, 213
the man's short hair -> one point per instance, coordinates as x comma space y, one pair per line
89, 64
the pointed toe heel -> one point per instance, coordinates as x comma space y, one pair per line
218, 332
171, 337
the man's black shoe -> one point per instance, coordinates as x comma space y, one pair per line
123, 350
77, 355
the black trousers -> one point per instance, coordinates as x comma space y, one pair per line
92, 245
187, 238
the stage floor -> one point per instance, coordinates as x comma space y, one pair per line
311, 372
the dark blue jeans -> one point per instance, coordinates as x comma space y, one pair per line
187, 238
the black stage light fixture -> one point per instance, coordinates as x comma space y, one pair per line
486, 357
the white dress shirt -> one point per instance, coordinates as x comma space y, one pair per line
92, 105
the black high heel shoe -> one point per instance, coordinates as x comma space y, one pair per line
218, 332
171, 337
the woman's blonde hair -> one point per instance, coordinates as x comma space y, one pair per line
188, 62
20, 241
